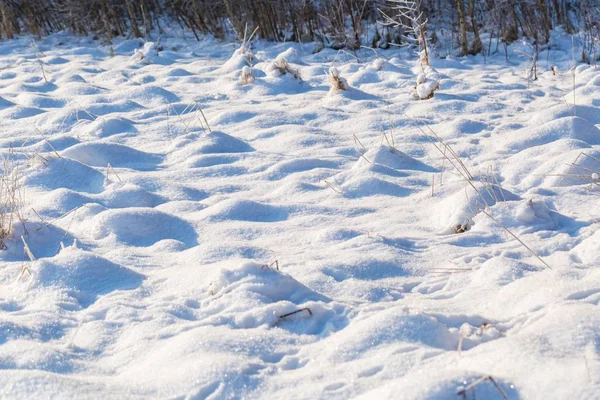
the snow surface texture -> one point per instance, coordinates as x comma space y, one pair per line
165, 284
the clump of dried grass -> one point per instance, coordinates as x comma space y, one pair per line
282, 67
11, 199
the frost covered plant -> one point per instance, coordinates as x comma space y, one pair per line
428, 82
336, 82
247, 76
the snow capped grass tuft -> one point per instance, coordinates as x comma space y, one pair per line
281, 65
378, 64
247, 75
336, 82
428, 82
147, 54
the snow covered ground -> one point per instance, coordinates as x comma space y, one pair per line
165, 285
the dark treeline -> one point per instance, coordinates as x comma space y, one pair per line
336, 23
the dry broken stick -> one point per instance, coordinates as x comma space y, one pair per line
295, 312
270, 266
463, 392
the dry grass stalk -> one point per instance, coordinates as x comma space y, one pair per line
189, 122
47, 141
296, 312
110, 168
27, 250
38, 55
11, 201
244, 48
270, 266
332, 186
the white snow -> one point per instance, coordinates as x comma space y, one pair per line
302, 245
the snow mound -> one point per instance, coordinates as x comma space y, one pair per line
539, 165
65, 173
460, 126
521, 217
380, 171
589, 113
364, 186
124, 195
141, 227
5, 103
391, 158
220, 142
19, 112
563, 128
239, 59
580, 167
245, 210
211, 143
443, 385
148, 54
255, 295
290, 55
104, 127
588, 249
84, 276
595, 81
177, 72
394, 325
117, 155
461, 207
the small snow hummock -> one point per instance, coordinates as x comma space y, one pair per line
146, 54
428, 82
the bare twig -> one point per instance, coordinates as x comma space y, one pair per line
296, 312
463, 392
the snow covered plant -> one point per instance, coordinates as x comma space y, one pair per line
146, 54
247, 76
336, 82
281, 66
428, 82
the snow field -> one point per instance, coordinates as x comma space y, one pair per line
168, 187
